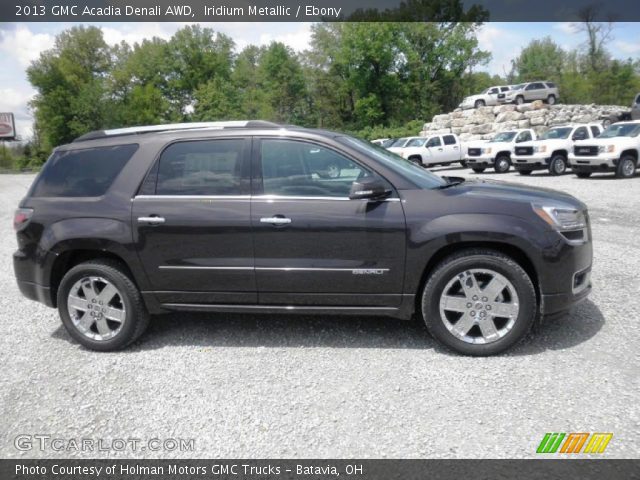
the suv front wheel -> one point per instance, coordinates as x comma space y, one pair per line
479, 302
100, 306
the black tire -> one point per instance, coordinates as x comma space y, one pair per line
626, 167
460, 262
558, 165
583, 174
551, 99
525, 172
480, 103
502, 163
463, 163
416, 159
478, 169
136, 319
519, 100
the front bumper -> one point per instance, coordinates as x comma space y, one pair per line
530, 162
565, 273
484, 160
600, 163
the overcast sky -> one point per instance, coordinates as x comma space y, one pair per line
20, 43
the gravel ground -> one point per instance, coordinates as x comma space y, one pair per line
296, 386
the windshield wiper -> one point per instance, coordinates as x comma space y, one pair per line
449, 184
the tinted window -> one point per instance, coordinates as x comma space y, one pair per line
420, 177
534, 86
434, 142
449, 140
581, 134
524, 137
551, 85
595, 131
292, 168
208, 167
493, 90
82, 173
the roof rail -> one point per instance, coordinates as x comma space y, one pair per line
175, 127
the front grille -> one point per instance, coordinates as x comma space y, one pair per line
474, 152
588, 151
524, 150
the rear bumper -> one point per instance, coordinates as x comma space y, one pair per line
34, 291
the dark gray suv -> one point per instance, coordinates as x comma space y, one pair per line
244, 217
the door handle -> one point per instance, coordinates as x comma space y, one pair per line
151, 220
275, 220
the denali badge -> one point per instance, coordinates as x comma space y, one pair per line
368, 271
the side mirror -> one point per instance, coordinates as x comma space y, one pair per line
369, 188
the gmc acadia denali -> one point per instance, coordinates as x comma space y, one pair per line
236, 217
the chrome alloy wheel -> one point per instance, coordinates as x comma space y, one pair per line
479, 306
96, 308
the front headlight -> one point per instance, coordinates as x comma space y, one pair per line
541, 148
486, 150
606, 149
561, 218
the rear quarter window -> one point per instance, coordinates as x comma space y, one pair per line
82, 173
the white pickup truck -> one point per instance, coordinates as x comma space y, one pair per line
399, 144
434, 150
615, 150
551, 150
496, 152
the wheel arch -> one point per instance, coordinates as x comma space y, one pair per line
632, 152
561, 151
516, 253
69, 258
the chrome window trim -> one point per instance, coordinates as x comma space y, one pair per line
278, 269
265, 198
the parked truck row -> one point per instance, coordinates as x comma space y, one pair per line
612, 145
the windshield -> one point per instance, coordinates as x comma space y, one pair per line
621, 130
388, 143
503, 137
399, 142
421, 177
556, 133
416, 142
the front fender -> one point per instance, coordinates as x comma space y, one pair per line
428, 238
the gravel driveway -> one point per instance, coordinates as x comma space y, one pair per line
297, 386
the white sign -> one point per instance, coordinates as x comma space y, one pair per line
7, 126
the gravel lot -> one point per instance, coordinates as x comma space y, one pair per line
296, 386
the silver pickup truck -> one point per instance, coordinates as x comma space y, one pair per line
633, 114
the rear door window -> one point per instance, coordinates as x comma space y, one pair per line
82, 173
595, 130
203, 167
449, 140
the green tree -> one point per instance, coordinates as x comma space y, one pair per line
540, 59
70, 84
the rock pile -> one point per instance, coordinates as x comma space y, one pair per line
484, 122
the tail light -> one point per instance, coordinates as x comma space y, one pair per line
21, 218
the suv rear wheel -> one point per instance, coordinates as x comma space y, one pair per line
551, 99
479, 302
100, 306
558, 165
502, 163
626, 167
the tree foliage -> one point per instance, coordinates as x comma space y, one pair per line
377, 79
